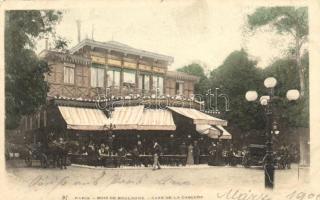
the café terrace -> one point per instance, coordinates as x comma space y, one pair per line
109, 89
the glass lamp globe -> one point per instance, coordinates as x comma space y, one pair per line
265, 98
270, 82
264, 102
293, 95
251, 95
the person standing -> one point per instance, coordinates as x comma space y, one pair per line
135, 157
190, 160
102, 155
196, 153
219, 153
156, 155
212, 149
62, 153
122, 153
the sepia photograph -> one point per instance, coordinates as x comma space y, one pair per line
151, 100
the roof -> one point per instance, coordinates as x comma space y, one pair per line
64, 57
182, 76
120, 47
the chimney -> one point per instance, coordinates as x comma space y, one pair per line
92, 31
79, 30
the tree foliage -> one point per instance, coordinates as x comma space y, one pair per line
197, 70
25, 87
239, 74
293, 114
286, 20
235, 77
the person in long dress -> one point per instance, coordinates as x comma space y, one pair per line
190, 160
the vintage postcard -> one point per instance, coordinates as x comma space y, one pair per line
160, 100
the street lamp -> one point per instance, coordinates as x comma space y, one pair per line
271, 125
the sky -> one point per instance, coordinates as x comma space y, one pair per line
199, 31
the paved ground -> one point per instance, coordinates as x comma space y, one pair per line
196, 180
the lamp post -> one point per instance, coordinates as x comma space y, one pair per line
271, 125
110, 136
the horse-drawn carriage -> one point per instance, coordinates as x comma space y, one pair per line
255, 154
54, 154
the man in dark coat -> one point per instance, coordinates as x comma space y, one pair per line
212, 149
135, 156
196, 153
122, 153
156, 155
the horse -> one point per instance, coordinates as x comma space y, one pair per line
58, 152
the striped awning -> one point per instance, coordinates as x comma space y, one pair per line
225, 134
126, 118
198, 117
210, 131
138, 118
83, 118
153, 119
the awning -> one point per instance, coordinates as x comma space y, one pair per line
83, 118
198, 117
126, 118
156, 119
208, 130
225, 134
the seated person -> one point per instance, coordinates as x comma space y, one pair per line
121, 154
83, 151
108, 151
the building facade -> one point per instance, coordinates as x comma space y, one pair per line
114, 69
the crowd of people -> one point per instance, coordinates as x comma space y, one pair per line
97, 154
193, 152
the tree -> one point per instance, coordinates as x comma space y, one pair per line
286, 20
25, 87
235, 77
285, 70
197, 70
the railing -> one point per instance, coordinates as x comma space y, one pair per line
129, 160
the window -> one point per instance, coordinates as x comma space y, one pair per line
113, 76
157, 84
144, 82
129, 76
179, 88
68, 74
97, 77
81, 76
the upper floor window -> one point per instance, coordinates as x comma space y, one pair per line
97, 76
129, 76
144, 82
179, 88
68, 72
113, 77
157, 84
